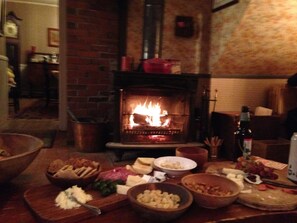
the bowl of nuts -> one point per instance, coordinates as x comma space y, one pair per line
211, 191
74, 171
174, 166
160, 201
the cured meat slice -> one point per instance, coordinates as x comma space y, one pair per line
118, 173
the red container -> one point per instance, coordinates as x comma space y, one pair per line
157, 65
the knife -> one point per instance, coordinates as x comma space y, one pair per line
279, 183
93, 209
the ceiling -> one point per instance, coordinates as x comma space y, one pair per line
47, 2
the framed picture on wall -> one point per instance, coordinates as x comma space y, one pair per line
221, 4
53, 37
2, 16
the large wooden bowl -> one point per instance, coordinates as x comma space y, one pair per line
23, 149
160, 214
209, 200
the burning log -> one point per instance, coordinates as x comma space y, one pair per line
140, 119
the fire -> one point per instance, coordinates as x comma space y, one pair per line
149, 114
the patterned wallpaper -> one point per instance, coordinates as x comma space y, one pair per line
257, 37
193, 51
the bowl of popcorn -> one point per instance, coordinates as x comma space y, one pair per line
74, 171
211, 191
174, 166
159, 201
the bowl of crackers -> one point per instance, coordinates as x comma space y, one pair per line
74, 171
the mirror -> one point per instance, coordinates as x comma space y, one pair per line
152, 31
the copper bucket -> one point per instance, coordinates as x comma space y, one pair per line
88, 135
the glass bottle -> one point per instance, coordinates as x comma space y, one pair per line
292, 164
243, 135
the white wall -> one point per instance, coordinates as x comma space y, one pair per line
36, 19
235, 92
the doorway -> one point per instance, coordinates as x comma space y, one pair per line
33, 49
61, 17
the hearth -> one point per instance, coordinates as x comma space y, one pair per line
154, 109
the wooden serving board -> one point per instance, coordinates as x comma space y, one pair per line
270, 200
41, 201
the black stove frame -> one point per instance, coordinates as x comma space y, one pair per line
148, 83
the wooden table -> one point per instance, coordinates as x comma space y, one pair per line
14, 209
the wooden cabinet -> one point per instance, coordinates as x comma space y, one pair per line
224, 124
38, 74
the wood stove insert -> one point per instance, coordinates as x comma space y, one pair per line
171, 96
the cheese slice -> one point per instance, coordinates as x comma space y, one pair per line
134, 180
145, 160
142, 169
122, 189
230, 170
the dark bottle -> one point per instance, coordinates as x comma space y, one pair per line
243, 135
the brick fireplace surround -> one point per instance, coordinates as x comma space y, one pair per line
92, 54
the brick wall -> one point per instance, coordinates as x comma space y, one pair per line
92, 52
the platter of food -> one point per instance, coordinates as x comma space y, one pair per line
246, 182
41, 201
84, 180
272, 191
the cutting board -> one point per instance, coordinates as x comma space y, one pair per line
270, 200
41, 201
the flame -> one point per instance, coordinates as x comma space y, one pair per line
152, 113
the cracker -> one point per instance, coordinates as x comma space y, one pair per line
91, 173
78, 171
67, 174
85, 172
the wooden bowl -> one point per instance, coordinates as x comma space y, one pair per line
23, 149
160, 214
209, 200
196, 153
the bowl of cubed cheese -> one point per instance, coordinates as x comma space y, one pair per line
161, 202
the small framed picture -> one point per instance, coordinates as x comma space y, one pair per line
221, 4
53, 37
2, 16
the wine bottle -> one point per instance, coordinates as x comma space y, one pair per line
243, 135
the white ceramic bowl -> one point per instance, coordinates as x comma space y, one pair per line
174, 166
